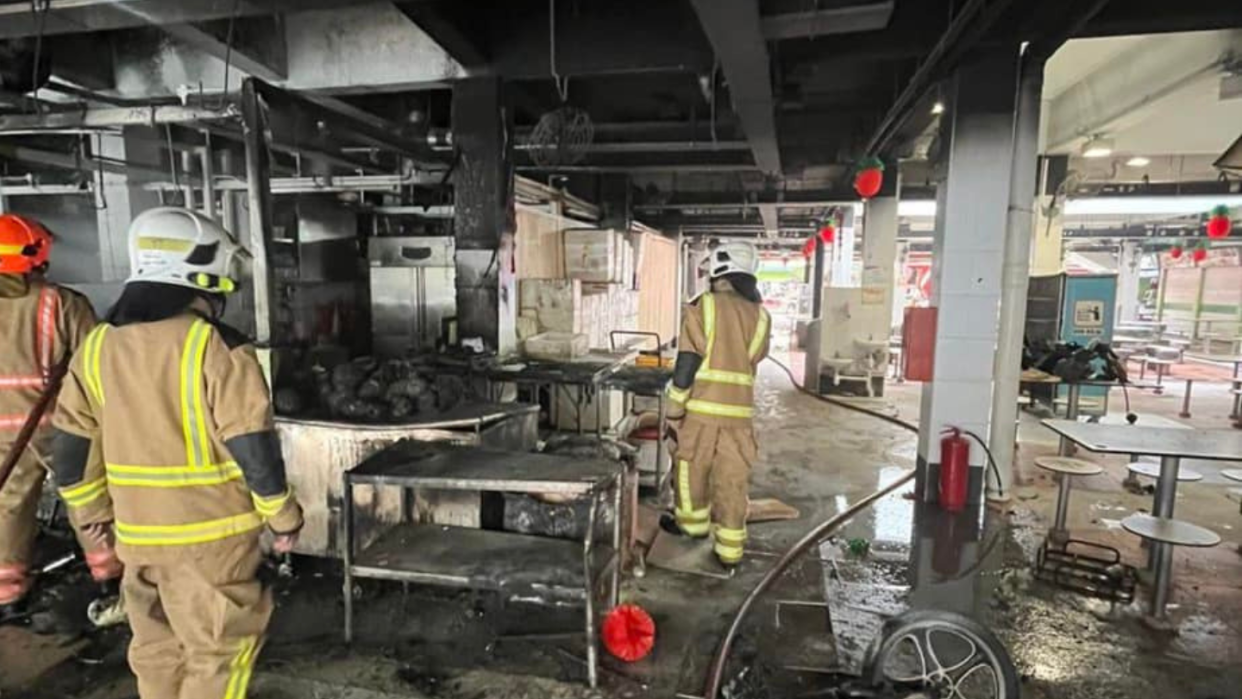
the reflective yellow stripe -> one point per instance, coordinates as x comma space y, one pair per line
678, 395
729, 543
193, 418
761, 333
92, 348
172, 476
183, 534
736, 378
165, 244
11, 249
703, 407
731, 536
269, 507
709, 326
241, 667
84, 493
683, 486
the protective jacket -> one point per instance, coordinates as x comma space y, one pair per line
723, 338
40, 323
189, 462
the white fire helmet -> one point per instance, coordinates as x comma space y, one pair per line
732, 257
171, 245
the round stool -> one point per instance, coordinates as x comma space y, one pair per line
1066, 468
1152, 470
1164, 535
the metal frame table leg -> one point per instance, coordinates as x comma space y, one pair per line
347, 541
618, 489
1163, 562
1071, 413
1165, 499
592, 643
1059, 532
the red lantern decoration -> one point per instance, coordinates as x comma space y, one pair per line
1176, 252
628, 632
1198, 255
1219, 225
827, 234
869, 177
808, 248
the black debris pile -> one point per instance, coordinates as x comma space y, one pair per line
370, 390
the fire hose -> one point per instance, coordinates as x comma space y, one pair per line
33, 419
715, 675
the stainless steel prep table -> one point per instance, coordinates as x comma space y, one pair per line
556, 570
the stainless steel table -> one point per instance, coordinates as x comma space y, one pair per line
1171, 445
558, 571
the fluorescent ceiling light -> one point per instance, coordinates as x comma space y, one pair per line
1148, 205
914, 208
938, 108
1097, 147
1138, 161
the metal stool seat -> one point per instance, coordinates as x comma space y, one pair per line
1174, 532
1152, 470
1082, 566
1069, 466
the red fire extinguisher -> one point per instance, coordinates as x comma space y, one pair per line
954, 469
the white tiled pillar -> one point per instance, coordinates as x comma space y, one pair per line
971, 216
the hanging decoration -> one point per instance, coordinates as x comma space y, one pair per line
808, 248
869, 177
785, 259
1199, 254
1176, 252
1218, 224
827, 233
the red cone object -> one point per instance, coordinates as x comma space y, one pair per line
628, 632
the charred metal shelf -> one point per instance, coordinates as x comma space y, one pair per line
476, 559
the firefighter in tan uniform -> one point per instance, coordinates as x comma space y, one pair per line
724, 336
40, 325
191, 472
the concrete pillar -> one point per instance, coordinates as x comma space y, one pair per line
969, 247
483, 219
1048, 240
879, 266
1014, 282
1129, 262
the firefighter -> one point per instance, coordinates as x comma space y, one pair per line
724, 336
40, 325
191, 472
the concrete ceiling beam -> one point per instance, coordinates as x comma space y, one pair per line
1134, 86
828, 21
735, 32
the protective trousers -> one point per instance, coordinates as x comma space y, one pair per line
19, 507
198, 623
713, 473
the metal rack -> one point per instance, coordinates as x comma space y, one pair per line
552, 570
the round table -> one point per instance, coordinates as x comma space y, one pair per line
1233, 474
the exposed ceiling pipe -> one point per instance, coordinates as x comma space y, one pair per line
827, 21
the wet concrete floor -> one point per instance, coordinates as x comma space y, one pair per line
818, 458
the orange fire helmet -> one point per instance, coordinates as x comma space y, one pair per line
24, 244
